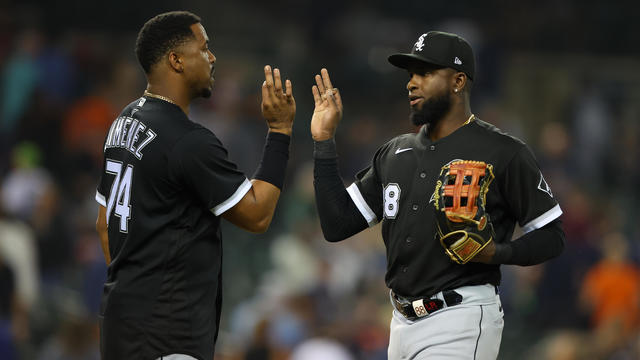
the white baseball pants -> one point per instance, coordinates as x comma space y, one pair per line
470, 330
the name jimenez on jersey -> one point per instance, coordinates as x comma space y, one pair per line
125, 133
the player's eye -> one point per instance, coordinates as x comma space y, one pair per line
463, 201
466, 180
451, 180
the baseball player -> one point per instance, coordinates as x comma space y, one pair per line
448, 198
166, 182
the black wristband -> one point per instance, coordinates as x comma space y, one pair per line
325, 149
275, 155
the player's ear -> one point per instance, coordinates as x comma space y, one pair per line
459, 82
175, 61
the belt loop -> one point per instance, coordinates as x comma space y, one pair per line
451, 297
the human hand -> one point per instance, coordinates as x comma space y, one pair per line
328, 108
278, 106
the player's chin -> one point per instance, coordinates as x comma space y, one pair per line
206, 91
417, 118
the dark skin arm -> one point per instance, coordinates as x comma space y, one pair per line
255, 211
101, 228
252, 213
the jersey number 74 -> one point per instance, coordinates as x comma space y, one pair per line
120, 194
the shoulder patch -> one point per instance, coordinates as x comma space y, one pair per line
543, 186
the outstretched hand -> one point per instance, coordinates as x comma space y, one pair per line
328, 108
278, 105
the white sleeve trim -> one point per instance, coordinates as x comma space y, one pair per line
233, 199
101, 199
362, 205
542, 220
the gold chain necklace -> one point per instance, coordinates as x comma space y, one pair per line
470, 119
147, 93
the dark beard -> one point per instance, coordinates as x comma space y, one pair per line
432, 111
205, 93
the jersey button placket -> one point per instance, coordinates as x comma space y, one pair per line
432, 147
423, 175
415, 207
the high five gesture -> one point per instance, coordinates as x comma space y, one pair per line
328, 108
278, 106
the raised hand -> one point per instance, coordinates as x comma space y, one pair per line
328, 108
278, 106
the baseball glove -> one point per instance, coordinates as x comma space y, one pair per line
464, 227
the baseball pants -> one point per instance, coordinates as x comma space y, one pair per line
470, 330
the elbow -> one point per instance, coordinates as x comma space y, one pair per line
259, 229
260, 226
333, 236
335, 231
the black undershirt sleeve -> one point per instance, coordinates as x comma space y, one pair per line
339, 216
533, 247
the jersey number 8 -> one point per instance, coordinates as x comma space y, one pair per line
120, 194
391, 200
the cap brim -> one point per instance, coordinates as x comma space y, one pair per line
403, 61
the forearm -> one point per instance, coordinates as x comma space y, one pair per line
532, 248
103, 233
339, 217
104, 243
255, 210
265, 199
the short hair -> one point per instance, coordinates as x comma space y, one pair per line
161, 34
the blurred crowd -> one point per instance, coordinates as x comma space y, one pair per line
288, 293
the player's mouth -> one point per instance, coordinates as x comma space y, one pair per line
414, 100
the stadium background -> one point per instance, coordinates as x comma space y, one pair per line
562, 75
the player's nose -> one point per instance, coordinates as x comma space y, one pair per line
411, 85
